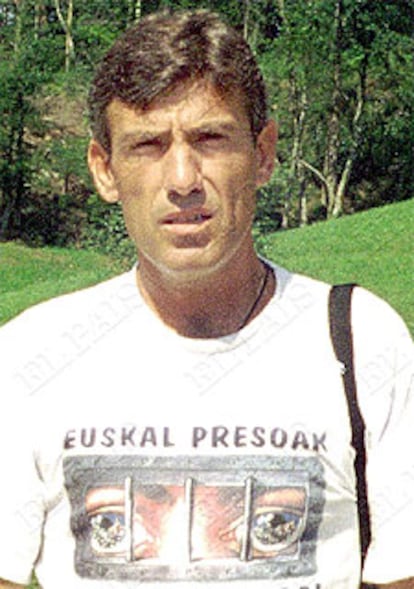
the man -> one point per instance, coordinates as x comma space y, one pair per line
186, 424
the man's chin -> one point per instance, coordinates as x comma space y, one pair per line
189, 264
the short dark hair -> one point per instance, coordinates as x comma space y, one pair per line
164, 49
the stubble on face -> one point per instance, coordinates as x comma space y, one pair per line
185, 172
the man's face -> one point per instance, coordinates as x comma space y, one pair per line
185, 171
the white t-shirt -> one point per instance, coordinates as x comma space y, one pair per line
132, 456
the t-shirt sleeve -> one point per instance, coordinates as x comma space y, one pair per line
21, 505
21, 489
384, 369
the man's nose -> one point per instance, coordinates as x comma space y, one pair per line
182, 171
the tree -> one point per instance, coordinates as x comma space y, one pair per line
136, 9
329, 60
341, 84
67, 23
15, 110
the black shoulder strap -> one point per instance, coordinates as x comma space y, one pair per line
341, 334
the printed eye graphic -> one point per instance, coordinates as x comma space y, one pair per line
271, 531
273, 525
107, 532
275, 530
210, 522
129, 525
108, 535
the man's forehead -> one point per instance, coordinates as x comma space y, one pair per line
195, 103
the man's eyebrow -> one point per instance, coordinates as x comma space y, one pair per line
150, 133
224, 126
142, 135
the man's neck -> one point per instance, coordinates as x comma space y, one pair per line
209, 306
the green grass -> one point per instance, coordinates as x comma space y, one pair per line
31, 275
374, 248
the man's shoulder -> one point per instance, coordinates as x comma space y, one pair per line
54, 328
287, 278
371, 314
297, 288
380, 334
371, 307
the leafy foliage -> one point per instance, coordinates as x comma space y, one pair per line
341, 86
104, 229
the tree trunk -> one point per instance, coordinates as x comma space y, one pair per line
137, 10
246, 18
19, 4
296, 178
67, 24
295, 195
330, 172
251, 23
39, 16
338, 202
303, 202
69, 45
13, 179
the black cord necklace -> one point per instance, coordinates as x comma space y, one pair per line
258, 297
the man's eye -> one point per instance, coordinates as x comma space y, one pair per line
210, 138
146, 146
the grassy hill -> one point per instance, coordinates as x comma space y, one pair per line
31, 275
373, 248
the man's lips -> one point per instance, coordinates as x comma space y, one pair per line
187, 217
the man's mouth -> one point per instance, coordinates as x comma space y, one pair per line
190, 217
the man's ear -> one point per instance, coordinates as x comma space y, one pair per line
266, 153
100, 169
